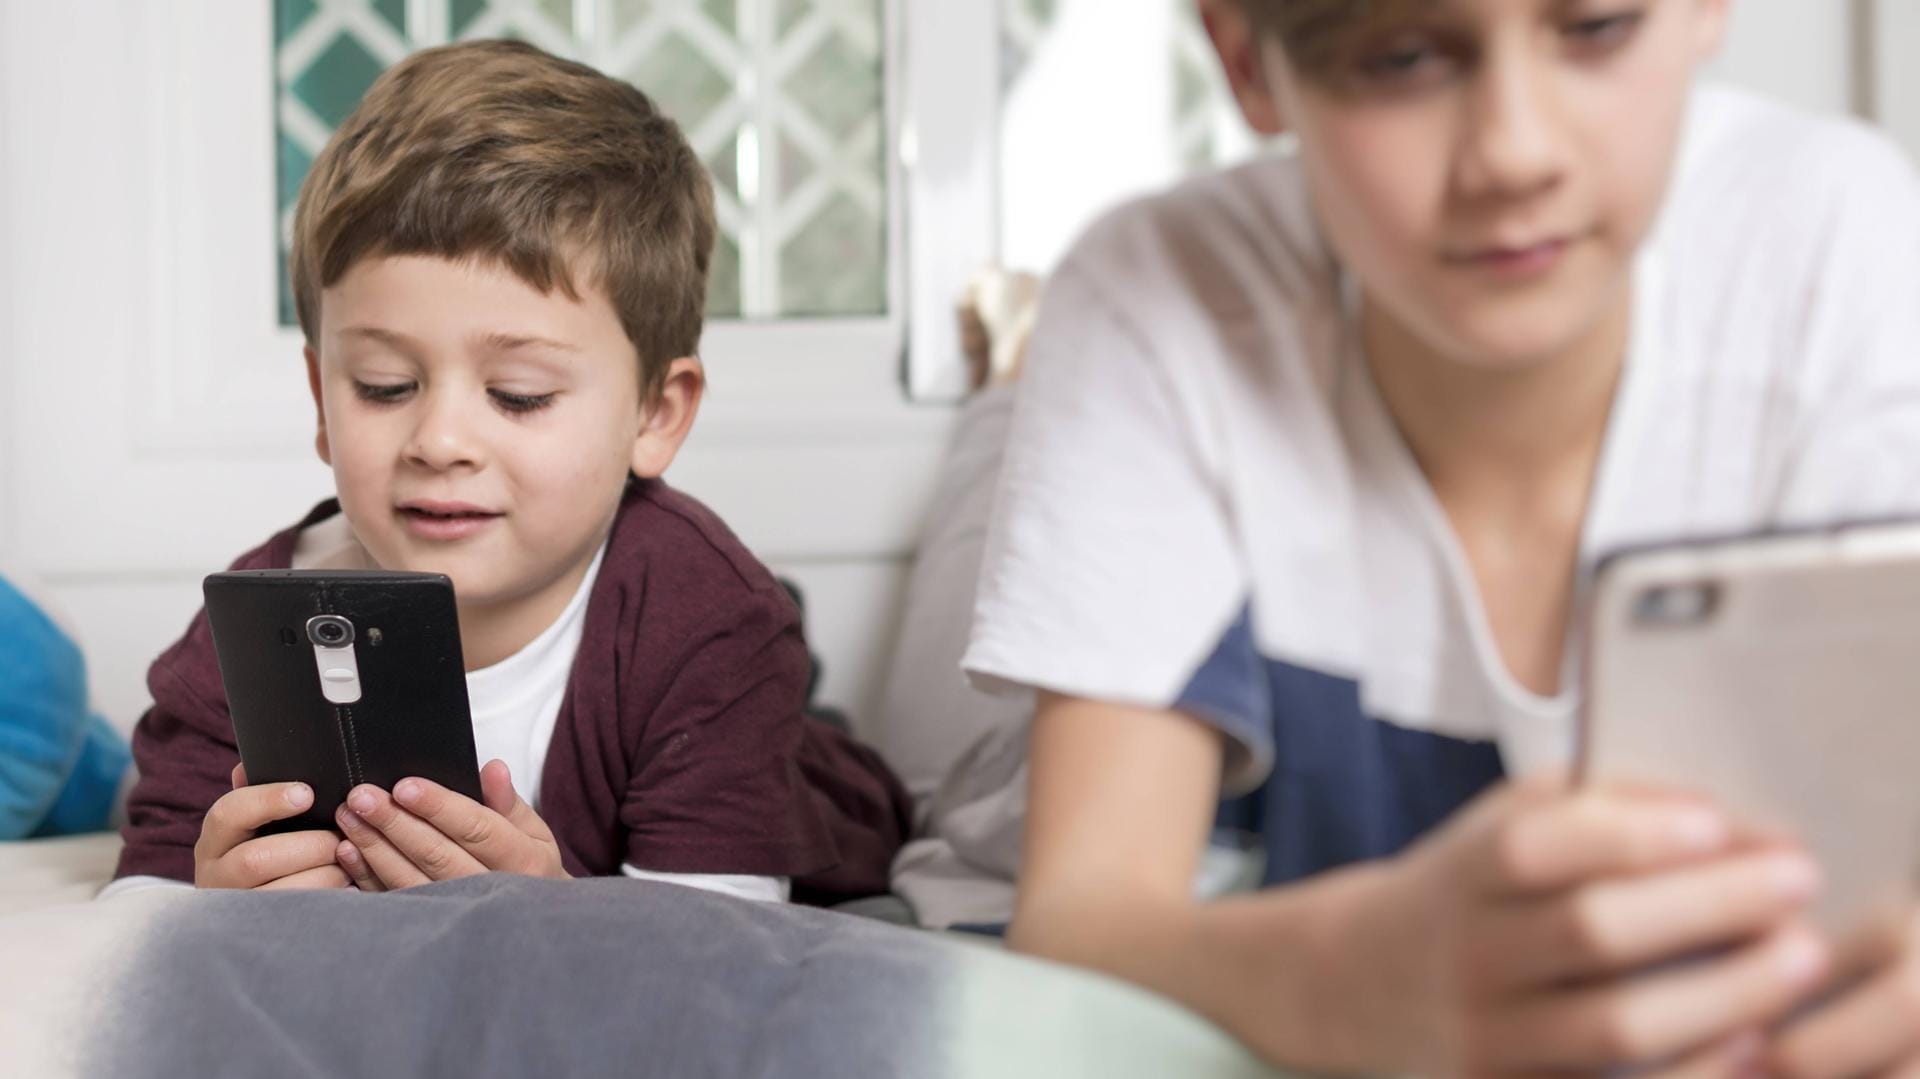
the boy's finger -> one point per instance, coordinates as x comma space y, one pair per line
1865, 1032
1568, 841
319, 878
1626, 924
238, 776
356, 867
1655, 1016
394, 869
238, 814
269, 858
1739, 1055
496, 786
485, 835
430, 850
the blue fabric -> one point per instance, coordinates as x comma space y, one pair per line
60, 765
1343, 787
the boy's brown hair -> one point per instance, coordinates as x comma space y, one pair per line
495, 150
1316, 32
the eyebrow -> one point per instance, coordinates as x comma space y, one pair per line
512, 342
375, 333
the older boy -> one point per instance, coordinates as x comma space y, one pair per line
500, 263
1311, 463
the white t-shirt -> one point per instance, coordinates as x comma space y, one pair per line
1206, 506
515, 704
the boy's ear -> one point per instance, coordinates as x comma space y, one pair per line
1242, 56
319, 407
1711, 23
669, 418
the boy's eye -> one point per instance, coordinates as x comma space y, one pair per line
520, 403
1401, 62
382, 393
1603, 32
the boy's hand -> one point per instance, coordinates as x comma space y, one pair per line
229, 855
1585, 931
424, 832
1873, 1028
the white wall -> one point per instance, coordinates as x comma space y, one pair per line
1896, 44
1796, 50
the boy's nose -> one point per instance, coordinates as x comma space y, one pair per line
1511, 143
442, 439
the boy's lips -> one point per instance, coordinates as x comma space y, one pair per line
1514, 261
444, 521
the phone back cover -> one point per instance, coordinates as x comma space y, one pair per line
1794, 704
412, 718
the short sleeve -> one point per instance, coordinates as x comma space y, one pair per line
1111, 571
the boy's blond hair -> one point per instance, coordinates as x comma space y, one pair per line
497, 151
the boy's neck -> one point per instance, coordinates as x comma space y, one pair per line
493, 632
1480, 433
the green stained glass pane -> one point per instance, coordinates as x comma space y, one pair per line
796, 168
836, 264
336, 80
288, 315
724, 13
559, 13
682, 80
788, 13
837, 85
289, 16
724, 164
723, 281
462, 13
394, 12
292, 169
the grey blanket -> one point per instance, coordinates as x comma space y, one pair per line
510, 976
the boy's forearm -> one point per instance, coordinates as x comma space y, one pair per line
1285, 970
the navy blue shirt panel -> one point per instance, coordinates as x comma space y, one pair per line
1344, 787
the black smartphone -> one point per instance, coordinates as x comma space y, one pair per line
335, 679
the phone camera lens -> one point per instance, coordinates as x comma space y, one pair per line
330, 631
1677, 605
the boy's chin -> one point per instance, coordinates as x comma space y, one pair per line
1517, 341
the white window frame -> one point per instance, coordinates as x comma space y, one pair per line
949, 70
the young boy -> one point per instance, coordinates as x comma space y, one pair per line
1311, 463
500, 264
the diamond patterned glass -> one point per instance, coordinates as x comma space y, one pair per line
783, 99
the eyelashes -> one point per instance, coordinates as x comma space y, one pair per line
521, 404
517, 404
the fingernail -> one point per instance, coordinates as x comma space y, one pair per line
361, 801
1794, 876
407, 790
349, 820
299, 796
1801, 959
1700, 830
347, 853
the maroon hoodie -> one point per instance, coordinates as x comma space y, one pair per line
683, 744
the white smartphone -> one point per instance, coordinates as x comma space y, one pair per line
1780, 675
